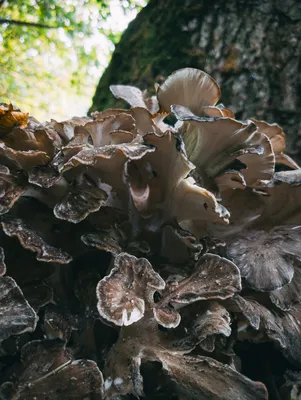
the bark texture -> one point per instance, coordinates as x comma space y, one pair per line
251, 47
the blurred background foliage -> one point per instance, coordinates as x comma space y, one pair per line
53, 52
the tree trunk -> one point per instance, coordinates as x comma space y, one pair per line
251, 47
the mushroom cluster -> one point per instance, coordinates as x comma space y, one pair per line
152, 251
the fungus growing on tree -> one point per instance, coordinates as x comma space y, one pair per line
144, 258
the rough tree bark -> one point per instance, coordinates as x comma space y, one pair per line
251, 47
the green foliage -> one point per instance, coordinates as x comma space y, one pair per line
47, 68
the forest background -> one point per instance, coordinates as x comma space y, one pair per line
53, 52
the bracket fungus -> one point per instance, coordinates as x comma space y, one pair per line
157, 255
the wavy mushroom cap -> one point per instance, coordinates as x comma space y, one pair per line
160, 188
135, 97
188, 87
217, 145
274, 132
66, 128
93, 160
25, 143
282, 201
265, 258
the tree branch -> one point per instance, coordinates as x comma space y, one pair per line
24, 23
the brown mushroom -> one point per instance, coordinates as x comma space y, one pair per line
213, 277
111, 240
29, 147
284, 329
44, 176
135, 97
264, 258
274, 132
160, 189
124, 294
289, 295
281, 204
66, 128
188, 87
233, 140
47, 370
202, 378
116, 240
16, 315
109, 161
213, 320
113, 129
79, 202
23, 159
39, 139
12, 186
30, 240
